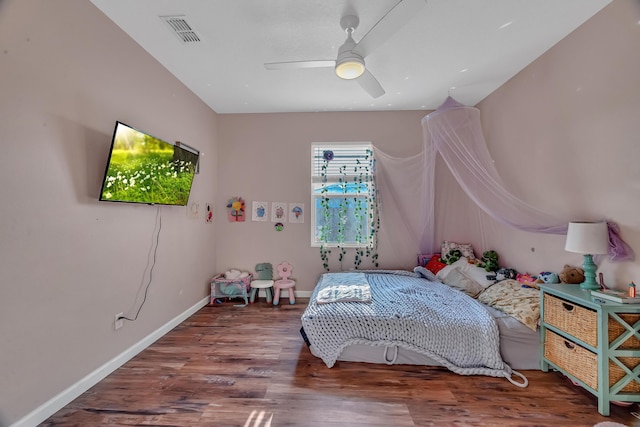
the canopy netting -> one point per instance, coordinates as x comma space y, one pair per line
454, 131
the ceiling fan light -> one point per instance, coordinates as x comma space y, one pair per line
350, 69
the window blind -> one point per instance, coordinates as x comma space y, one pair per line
345, 161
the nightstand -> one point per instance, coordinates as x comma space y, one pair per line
595, 344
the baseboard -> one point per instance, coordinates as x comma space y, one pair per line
63, 398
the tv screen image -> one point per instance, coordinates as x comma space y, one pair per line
145, 169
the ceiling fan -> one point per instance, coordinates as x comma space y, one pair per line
350, 63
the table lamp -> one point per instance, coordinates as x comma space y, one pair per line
588, 238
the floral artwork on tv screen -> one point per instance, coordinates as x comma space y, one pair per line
145, 169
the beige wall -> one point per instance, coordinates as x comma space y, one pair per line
266, 157
563, 133
69, 263
565, 136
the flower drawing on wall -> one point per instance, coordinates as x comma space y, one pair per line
236, 209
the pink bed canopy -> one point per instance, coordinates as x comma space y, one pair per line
454, 131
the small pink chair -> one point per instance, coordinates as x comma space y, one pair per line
284, 271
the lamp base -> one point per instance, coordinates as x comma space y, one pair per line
589, 268
587, 285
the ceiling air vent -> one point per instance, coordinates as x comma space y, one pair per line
181, 28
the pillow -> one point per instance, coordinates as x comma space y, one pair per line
423, 259
471, 270
425, 273
511, 298
465, 248
460, 281
434, 264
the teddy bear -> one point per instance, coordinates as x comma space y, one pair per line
489, 261
571, 275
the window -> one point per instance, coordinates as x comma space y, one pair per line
343, 195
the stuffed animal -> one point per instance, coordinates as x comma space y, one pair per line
506, 273
572, 275
503, 274
232, 274
453, 256
527, 280
547, 278
489, 261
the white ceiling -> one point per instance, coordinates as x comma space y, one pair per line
465, 48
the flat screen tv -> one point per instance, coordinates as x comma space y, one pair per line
145, 169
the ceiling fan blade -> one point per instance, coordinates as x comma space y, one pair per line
300, 64
370, 84
388, 25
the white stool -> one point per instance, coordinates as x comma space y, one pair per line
261, 284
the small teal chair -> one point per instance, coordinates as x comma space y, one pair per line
264, 280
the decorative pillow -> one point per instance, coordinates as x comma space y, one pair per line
465, 248
423, 259
460, 281
434, 265
471, 270
511, 298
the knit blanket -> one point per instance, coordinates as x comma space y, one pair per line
409, 311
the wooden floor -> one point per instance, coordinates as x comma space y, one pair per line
248, 366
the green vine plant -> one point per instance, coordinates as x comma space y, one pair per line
365, 214
324, 229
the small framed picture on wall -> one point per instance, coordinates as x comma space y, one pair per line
296, 213
260, 211
278, 212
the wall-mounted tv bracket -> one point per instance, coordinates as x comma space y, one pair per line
193, 150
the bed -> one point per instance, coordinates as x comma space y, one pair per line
416, 318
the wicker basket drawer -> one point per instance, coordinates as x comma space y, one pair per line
582, 363
616, 329
616, 374
576, 360
573, 319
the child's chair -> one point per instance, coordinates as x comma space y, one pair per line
284, 271
264, 274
